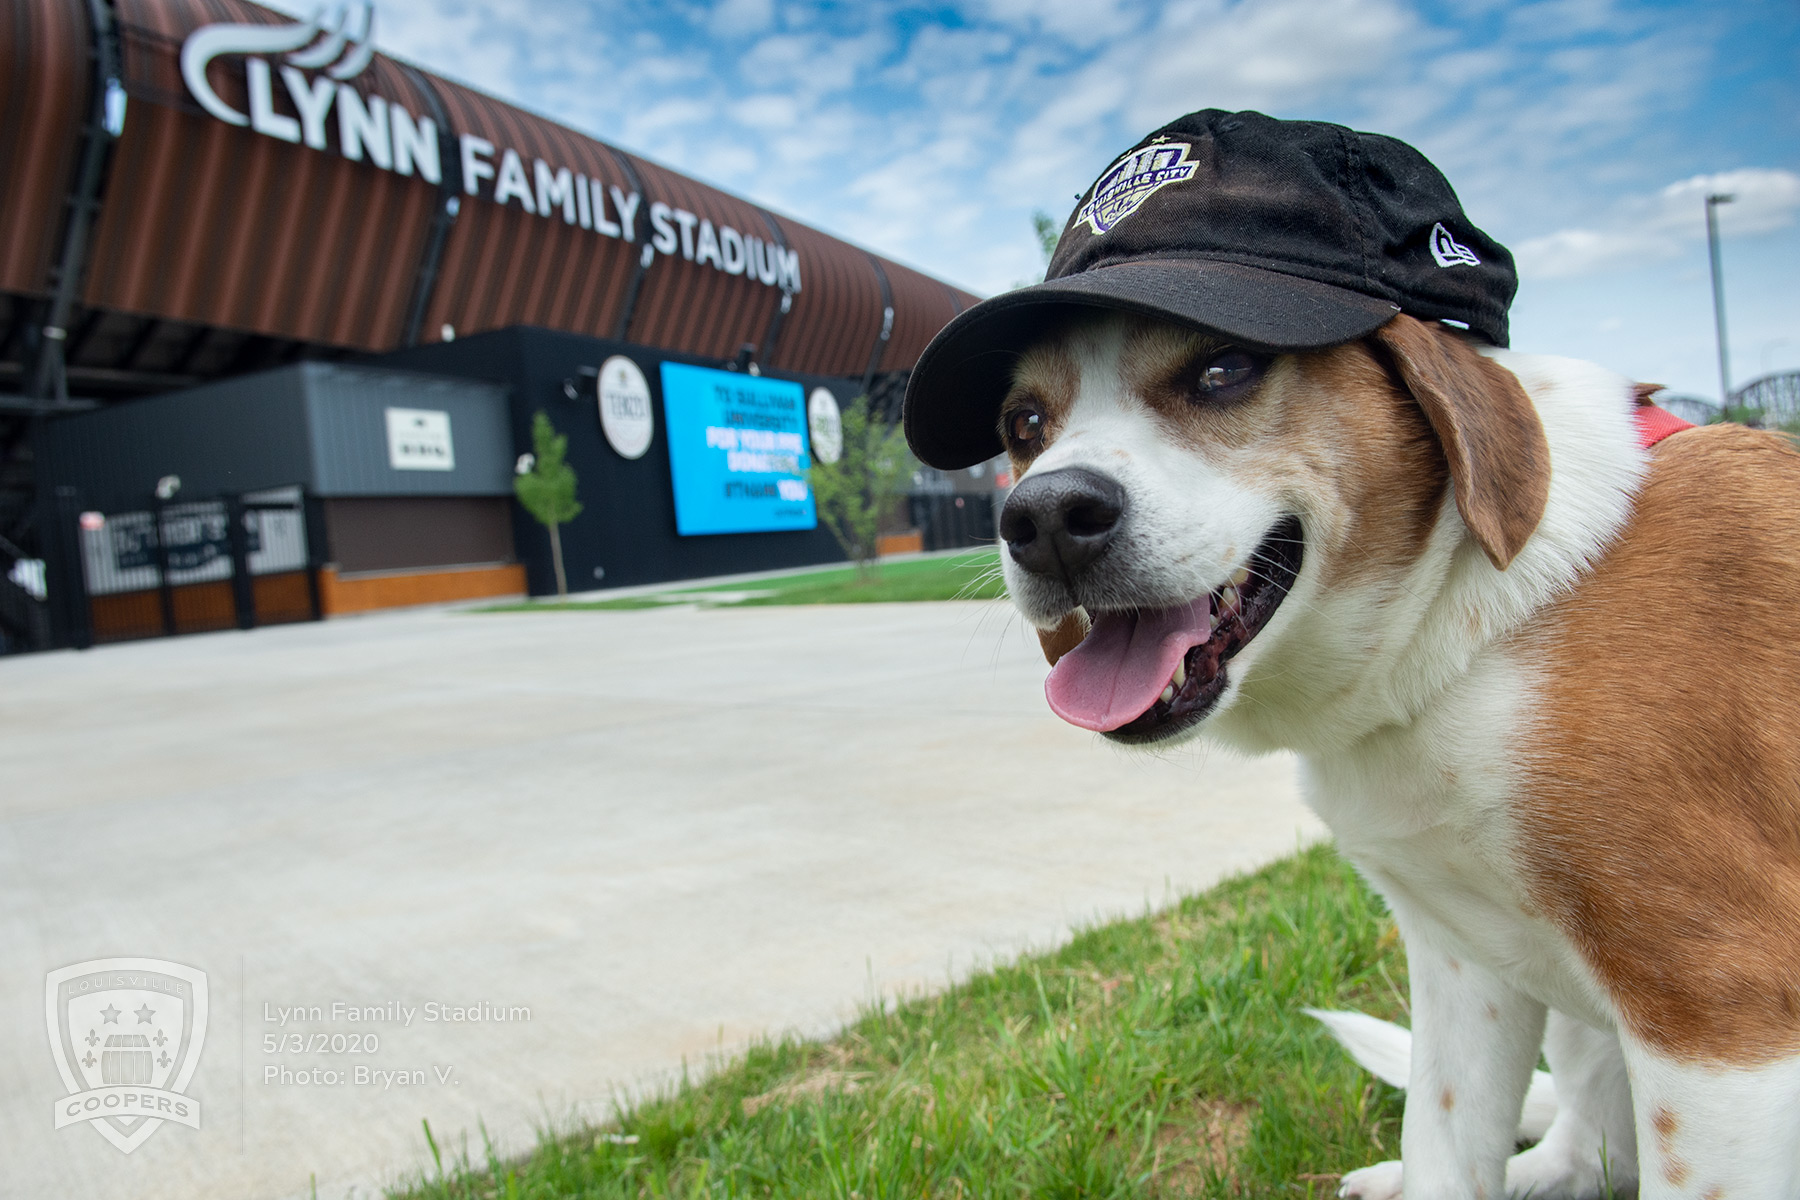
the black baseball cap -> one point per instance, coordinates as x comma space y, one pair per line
1277, 235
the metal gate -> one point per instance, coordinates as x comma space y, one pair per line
233, 562
948, 521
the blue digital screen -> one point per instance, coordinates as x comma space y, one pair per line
738, 451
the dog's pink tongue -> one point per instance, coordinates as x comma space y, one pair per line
1123, 664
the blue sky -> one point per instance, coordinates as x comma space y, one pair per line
1581, 133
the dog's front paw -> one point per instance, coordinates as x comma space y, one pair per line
1552, 1171
1379, 1182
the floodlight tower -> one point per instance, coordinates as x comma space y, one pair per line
1718, 281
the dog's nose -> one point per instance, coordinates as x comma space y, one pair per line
1059, 522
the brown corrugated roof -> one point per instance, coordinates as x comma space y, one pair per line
922, 306
43, 101
216, 225
837, 316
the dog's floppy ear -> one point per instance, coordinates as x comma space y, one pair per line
1499, 460
1065, 637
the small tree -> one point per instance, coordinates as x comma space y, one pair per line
545, 485
1048, 234
852, 492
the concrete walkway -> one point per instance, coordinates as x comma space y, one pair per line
663, 833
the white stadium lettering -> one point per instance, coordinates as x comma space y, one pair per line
364, 127
665, 240
415, 145
584, 210
315, 61
627, 206
787, 269
263, 117
477, 162
709, 246
686, 220
512, 182
601, 224
555, 191
312, 100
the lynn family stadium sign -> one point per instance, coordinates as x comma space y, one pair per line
314, 61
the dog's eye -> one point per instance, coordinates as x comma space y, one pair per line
1226, 375
1025, 426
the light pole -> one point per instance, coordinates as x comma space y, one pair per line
1718, 281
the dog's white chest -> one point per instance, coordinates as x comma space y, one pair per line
1425, 812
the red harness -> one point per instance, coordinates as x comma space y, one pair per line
1654, 424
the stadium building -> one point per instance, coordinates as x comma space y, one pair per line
277, 312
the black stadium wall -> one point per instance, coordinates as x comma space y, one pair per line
626, 533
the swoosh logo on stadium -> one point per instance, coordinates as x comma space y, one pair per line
337, 39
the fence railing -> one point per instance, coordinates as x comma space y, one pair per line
234, 561
947, 521
1771, 402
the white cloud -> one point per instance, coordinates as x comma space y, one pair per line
1555, 20
1082, 22
1581, 251
811, 62
1658, 227
767, 112
1764, 200
735, 18
1270, 54
931, 134
671, 114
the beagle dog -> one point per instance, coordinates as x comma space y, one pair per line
1540, 677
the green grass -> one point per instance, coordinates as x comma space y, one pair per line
1163, 1056
971, 576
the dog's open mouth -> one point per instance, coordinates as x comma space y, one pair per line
1143, 675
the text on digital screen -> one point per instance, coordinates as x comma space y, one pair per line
738, 451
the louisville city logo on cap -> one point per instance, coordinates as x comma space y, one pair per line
1122, 189
126, 1035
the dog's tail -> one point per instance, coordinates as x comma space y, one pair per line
1385, 1051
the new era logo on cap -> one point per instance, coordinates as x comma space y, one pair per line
1448, 251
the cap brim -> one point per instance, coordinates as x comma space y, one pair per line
953, 397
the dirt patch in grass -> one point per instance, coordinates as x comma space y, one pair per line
810, 1086
1196, 1146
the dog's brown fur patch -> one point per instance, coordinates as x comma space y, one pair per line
1049, 376
1659, 817
1349, 436
1489, 429
1065, 637
1156, 363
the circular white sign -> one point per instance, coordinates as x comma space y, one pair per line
625, 414
826, 425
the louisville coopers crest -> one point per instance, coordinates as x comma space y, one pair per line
126, 1034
